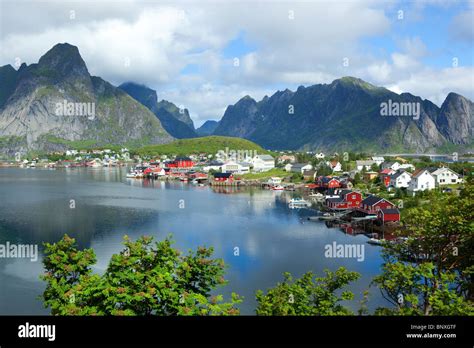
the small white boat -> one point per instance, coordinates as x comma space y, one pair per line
299, 203
375, 241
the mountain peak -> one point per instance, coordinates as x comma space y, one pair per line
62, 60
453, 97
246, 99
353, 81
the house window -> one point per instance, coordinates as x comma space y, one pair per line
353, 196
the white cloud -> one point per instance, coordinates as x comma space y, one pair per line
160, 40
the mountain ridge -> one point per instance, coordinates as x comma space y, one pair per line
346, 114
175, 121
29, 107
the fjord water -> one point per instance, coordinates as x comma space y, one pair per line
35, 207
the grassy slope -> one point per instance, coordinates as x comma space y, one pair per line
209, 145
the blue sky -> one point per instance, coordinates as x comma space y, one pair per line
187, 51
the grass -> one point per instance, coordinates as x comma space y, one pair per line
266, 175
209, 145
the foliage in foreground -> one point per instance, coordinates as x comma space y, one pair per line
146, 278
308, 295
431, 272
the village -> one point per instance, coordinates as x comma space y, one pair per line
358, 193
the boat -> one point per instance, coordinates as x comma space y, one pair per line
313, 218
317, 197
278, 188
135, 174
299, 203
375, 241
367, 217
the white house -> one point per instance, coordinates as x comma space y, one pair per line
300, 167
320, 155
71, 152
263, 163
274, 180
367, 164
378, 159
445, 176
400, 179
421, 180
289, 158
213, 165
288, 166
236, 167
336, 166
391, 165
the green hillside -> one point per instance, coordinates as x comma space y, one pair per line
209, 145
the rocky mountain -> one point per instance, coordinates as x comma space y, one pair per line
350, 114
207, 128
456, 118
175, 121
56, 103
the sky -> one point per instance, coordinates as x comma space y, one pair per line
206, 55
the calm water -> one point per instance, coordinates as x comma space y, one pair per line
35, 207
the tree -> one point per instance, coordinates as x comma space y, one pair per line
420, 290
324, 169
308, 296
357, 178
143, 279
375, 167
431, 268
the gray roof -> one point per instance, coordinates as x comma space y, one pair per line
265, 157
299, 165
365, 163
397, 174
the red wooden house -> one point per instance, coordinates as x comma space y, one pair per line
328, 182
198, 175
385, 176
181, 162
347, 199
372, 204
223, 177
389, 215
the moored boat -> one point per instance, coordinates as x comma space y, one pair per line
299, 203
